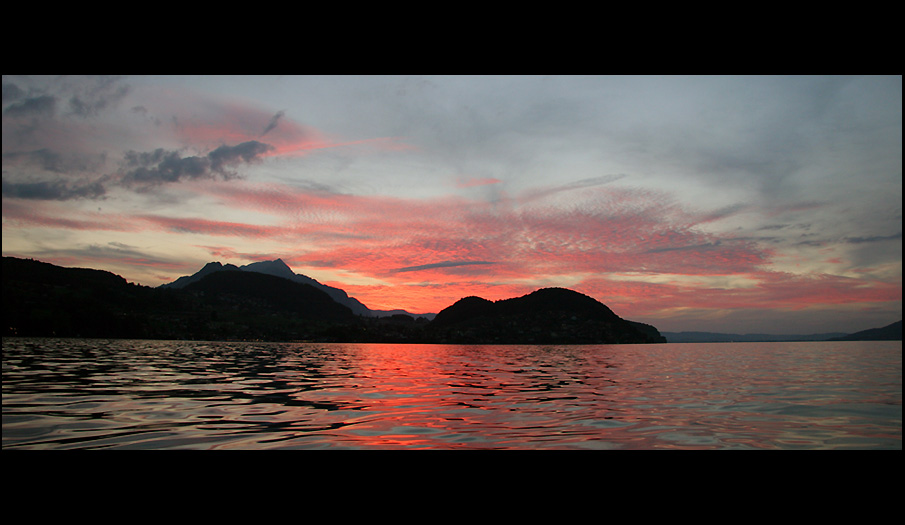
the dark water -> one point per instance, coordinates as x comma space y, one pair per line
109, 394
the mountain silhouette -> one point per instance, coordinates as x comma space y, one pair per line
258, 293
892, 332
41, 299
208, 269
546, 316
44, 300
278, 268
716, 337
267, 301
225, 302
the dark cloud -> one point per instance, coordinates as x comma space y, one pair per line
875, 238
143, 111
53, 161
39, 106
53, 190
593, 181
697, 247
161, 166
444, 264
86, 96
172, 168
11, 92
244, 152
97, 94
140, 170
273, 122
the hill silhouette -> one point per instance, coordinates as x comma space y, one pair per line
44, 300
546, 316
892, 332
257, 293
41, 299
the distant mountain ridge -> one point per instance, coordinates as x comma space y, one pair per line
716, 337
892, 332
279, 268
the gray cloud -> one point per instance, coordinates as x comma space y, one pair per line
444, 264
87, 96
54, 161
583, 183
96, 94
593, 181
273, 122
39, 106
11, 92
161, 166
875, 238
697, 247
53, 190
244, 152
112, 253
141, 170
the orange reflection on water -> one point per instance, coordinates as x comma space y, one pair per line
181, 394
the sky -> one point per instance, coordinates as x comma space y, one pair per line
735, 204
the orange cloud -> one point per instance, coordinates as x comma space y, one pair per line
378, 236
424, 254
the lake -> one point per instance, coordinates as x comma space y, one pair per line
138, 394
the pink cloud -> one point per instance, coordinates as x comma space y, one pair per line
214, 123
378, 235
474, 181
51, 215
432, 252
769, 291
210, 227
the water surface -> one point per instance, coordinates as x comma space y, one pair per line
136, 394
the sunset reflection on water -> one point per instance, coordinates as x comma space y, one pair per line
182, 394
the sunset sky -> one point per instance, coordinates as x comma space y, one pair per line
721, 204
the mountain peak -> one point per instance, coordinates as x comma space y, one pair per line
276, 267
276, 263
279, 268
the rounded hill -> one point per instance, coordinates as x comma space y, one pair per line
546, 316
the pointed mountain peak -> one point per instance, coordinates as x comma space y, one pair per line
277, 267
209, 268
216, 266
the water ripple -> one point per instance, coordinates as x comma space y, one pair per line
67, 394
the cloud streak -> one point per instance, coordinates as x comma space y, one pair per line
444, 264
273, 122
